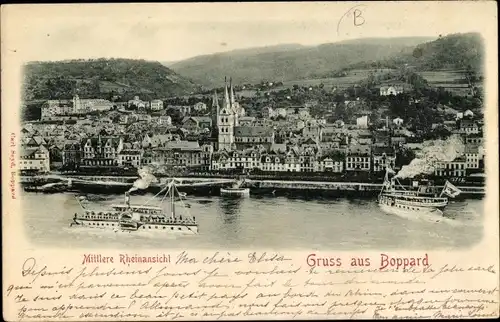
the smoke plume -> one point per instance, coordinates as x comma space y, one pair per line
146, 178
432, 152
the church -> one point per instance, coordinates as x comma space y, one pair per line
226, 117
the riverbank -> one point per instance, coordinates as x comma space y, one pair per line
211, 186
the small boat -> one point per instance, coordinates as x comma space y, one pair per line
48, 188
129, 217
236, 190
244, 192
425, 199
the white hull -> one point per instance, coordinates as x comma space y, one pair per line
412, 212
243, 192
115, 225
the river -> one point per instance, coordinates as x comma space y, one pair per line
272, 223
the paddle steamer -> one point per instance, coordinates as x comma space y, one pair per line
425, 198
129, 217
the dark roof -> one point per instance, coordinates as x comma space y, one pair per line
26, 152
181, 145
104, 139
259, 131
378, 150
131, 152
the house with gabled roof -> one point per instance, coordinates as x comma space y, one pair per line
383, 157
101, 150
248, 136
34, 159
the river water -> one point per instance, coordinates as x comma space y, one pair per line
272, 223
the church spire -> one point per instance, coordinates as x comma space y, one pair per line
215, 100
231, 91
215, 109
226, 95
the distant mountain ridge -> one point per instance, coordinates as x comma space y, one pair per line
454, 51
102, 78
291, 61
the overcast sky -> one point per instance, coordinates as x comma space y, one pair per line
171, 32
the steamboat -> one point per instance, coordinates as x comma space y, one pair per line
236, 190
130, 217
425, 198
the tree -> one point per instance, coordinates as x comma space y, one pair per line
175, 114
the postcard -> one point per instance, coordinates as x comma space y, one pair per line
250, 161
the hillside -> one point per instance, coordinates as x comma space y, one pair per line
457, 51
451, 52
289, 62
102, 78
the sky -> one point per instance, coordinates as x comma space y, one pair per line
173, 32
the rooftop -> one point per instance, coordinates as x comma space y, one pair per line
258, 131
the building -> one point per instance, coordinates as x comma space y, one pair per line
365, 138
274, 162
34, 159
398, 140
72, 155
455, 168
228, 119
268, 112
248, 136
36, 141
215, 110
383, 158
247, 120
156, 105
200, 107
472, 156
184, 154
313, 131
329, 163
468, 127
358, 158
183, 109
147, 157
308, 160
165, 120
391, 90
156, 140
53, 108
398, 121
295, 113
140, 104
131, 158
362, 122
474, 139
81, 106
381, 138
207, 151
101, 151
197, 123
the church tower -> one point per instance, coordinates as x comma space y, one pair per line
225, 123
215, 110
234, 104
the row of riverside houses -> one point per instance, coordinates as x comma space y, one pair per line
256, 149
110, 152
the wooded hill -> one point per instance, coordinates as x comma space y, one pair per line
102, 78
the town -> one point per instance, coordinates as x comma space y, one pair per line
350, 133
